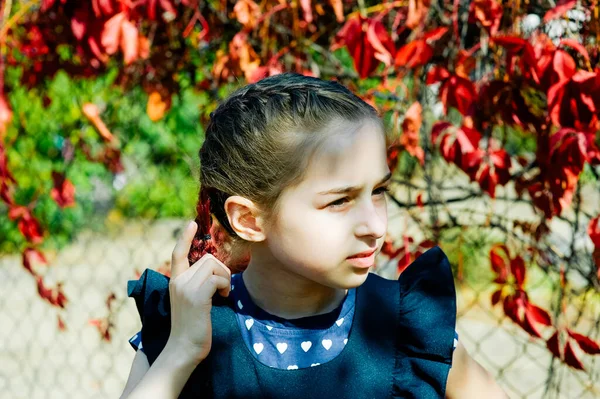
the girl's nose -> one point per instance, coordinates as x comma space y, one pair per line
373, 220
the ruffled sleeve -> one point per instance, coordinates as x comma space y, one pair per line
151, 295
136, 342
427, 327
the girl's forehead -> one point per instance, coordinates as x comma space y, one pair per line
353, 152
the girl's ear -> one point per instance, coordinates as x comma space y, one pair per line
245, 218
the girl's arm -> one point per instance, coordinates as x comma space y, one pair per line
139, 368
467, 379
164, 379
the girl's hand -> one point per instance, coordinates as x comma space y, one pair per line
191, 290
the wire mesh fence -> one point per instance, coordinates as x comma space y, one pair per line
39, 360
83, 351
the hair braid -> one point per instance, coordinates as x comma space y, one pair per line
202, 243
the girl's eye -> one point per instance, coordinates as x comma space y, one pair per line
342, 201
382, 190
338, 203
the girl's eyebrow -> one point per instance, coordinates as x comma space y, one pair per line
349, 189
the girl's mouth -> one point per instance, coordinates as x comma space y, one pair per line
363, 261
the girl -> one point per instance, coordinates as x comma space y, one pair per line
294, 170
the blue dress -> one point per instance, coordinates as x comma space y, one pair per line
387, 339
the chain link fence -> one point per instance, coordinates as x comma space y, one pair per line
39, 360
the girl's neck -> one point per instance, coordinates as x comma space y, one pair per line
288, 295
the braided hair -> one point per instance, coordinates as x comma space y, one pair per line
258, 142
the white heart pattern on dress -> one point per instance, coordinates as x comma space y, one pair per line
345, 341
306, 345
281, 347
240, 304
339, 322
314, 364
294, 367
249, 323
232, 287
269, 328
258, 348
327, 343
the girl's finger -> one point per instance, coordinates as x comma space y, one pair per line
179, 260
208, 257
216, 283
208, 269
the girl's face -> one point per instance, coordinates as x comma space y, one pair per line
317, 228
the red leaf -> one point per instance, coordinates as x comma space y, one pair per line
435, 34
247, 13
414, 54
5, 116
63, 191
103, 7
367, 41
596, 259
54, 296
79, 23
129, 41
594, 231
568, 150
47, 4
553, 345
17, 212
437, 74
103, 327
488, 13
389, 250
563, 65
31, 229
437, 129
403, 263
338, 9
538, 314
497, 262
517, 267
455, 143
519, 52
95, 322
307, 10
574, 44
559, 10
457, 92
31, 256
110, 299
420, 200
571, 101
61, 324
488, 169
571, 358
511, 309
381, 41
111, 33
585, 343
6, 176
529, 325
92, 113
496, 297
417, 12
151, 8
410, 132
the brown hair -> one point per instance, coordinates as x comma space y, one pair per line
258, 142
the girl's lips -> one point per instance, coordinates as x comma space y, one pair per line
364, 262
363, 254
